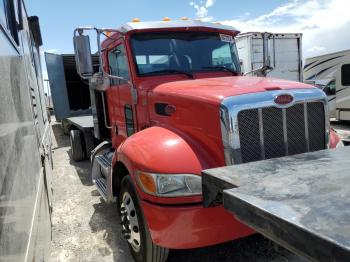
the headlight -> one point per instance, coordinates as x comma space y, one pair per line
170, 185
339, 144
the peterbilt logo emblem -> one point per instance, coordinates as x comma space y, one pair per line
284, 99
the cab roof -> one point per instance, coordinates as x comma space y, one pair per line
173, 24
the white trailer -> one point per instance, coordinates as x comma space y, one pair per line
331, 72
281, 52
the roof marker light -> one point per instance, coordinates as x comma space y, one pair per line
184, 18
136, 20
166, 19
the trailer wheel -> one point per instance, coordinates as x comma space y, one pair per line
134, 226
76, 145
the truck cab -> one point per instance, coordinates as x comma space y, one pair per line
170, 100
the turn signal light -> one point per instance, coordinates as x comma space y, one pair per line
284, 99
136, 20
166, 19
148, 183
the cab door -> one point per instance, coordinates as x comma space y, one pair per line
124, 115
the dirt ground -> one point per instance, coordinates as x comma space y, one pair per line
85, 228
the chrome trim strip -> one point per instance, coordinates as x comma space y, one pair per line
231, 106
306, 129
285, 135
261, 129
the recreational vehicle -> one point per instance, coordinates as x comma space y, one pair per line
331, 72
25, 142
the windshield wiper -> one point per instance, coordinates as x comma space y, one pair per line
222, 68
169, 71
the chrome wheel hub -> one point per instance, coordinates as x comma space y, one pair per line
130, 223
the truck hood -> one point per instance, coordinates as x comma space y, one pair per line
213, 90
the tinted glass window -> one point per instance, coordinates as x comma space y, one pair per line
222, 56
186, 51
2, 14
129, 120
345, 75
8, 10
118, 64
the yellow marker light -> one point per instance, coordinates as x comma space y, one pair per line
166, 19
148, 183
184, 18
136, 20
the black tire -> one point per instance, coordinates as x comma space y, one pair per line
65, 127
148, 251
76, 145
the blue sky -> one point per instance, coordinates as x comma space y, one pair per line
59, 18
324, 23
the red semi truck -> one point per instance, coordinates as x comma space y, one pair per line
168, 101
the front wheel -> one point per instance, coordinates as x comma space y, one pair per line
134, 226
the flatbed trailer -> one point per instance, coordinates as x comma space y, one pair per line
300, 202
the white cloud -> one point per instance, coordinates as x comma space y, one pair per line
324, 23
209, 3
316, 48
202, 9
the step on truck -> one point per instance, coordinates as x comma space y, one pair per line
169, 100
25, 140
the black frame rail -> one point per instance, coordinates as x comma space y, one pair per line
301, 202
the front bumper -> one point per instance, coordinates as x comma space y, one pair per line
183, 227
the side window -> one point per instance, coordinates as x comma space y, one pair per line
118, 63
129, 120
112, 64
8, 18
3, 14
345, 75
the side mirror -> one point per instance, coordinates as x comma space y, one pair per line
35, 29
329, 91
83, 58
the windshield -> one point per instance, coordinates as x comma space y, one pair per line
185, 52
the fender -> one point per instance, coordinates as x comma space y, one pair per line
159, 150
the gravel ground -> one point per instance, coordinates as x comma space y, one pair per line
85, 228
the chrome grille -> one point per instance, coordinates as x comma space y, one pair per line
249, 122
296, 136
316, 121
275, 132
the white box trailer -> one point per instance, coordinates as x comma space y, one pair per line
281, 51
331, 72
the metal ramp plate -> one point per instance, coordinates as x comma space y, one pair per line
301, 202
82, 122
